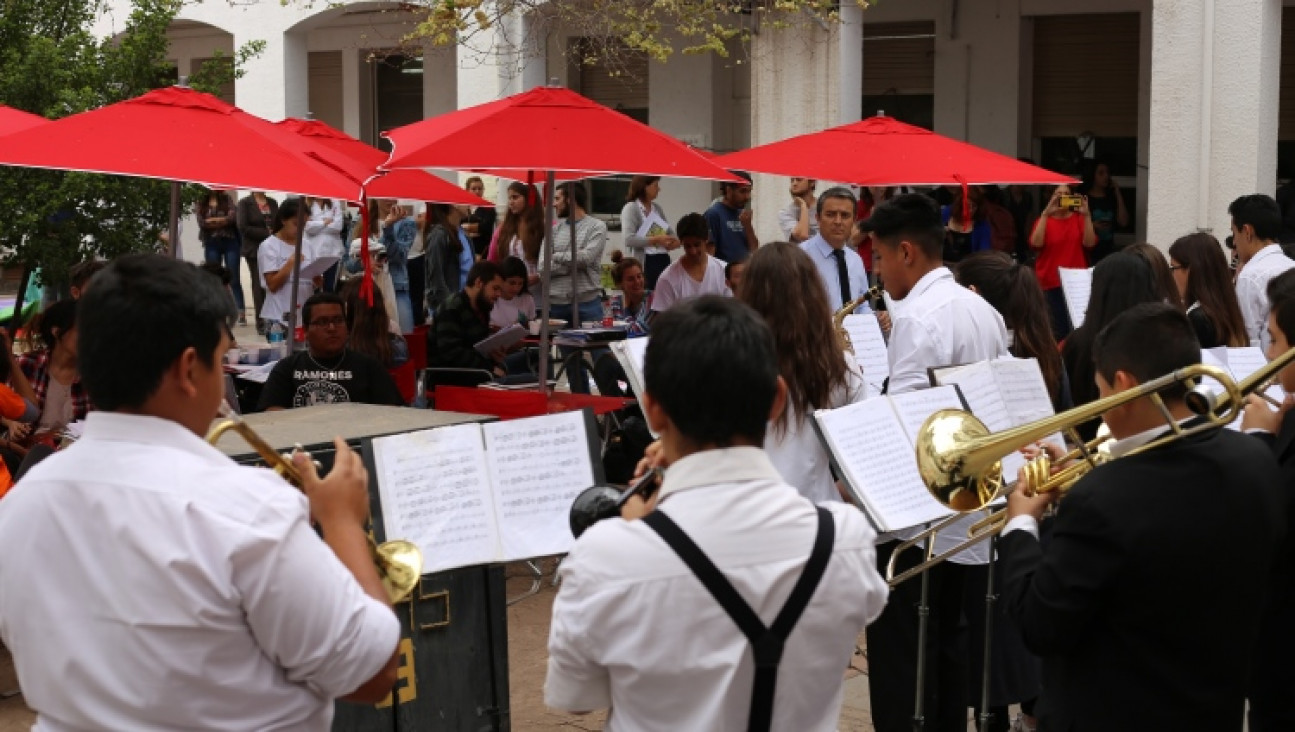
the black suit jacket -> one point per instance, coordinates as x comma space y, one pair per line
1273, 674
1145, 607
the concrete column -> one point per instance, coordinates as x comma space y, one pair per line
797, 76
977, 86
277, 84
681, 98
1214, 92
351, 99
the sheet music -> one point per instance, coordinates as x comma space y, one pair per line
1244, 362
436, 492
1076, 284
980, 390
879, 463
538, 466
914, 407
869, 349
1020, 382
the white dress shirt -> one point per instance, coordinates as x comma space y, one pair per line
270, 257
634, 630
825, 262
149, 583
940, 323
798, 453
675, 284
1252, 290
323, 239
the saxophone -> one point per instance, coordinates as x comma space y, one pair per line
838, 318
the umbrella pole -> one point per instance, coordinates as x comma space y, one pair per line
546, 276
173, 226
575, 291
296, 276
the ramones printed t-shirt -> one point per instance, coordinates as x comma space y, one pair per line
301, 381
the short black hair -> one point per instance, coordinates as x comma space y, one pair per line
1261, 212
711, 366
82, 272
287, 210
143, 312
692, 225
484, 271
911, 216
321, 298
837, 192
725, 184
1281, 302
1147, 341
217, 270
575, 191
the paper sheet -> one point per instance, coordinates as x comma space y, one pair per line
435, 490
1076, 284
538, 466
879, 463
317, 266
503, 339
869, 350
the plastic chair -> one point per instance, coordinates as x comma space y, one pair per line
406, 378
418, 346
500, 403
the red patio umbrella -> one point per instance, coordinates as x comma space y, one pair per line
882, 151
547, 132
15, 120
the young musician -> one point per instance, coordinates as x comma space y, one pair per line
1272, 674
185, 591
1144, 606
935, 322
634, 628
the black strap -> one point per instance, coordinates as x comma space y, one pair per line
842, 276
766, 643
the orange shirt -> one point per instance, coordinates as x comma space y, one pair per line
12, 406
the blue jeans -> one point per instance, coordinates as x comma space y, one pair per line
225, 251
591, 311
404, 311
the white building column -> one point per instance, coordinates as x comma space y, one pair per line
351, 91
1214, 92
803, 79
277, 84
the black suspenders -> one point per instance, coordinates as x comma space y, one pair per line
766, 643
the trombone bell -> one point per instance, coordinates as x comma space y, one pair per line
941, 445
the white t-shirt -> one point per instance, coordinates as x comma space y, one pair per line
675, 284
1252, 290
798, 453
271, 257
507, 312
187, 592
633, 628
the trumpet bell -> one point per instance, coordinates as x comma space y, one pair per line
593, 505
400, 565
941, 442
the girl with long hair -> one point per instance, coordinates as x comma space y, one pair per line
370, 328
1204, 282
515, 306
1120, 281
1014, 292
783, 285
442, 260
1162, 276
522, 231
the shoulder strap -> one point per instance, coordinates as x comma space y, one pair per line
766, 643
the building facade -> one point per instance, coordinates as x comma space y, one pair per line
1184, 99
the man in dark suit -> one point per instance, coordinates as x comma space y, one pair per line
1272, 674
1145, 605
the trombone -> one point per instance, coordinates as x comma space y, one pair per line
959, 459
399, 562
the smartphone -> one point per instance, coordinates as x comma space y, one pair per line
1072, 202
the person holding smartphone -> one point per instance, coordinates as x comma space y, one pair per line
1060, 238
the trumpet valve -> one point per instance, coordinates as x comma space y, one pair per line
1035, 474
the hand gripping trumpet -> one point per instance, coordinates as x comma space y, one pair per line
399, 562
959, 459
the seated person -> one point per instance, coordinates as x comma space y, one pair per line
636, 300
694, 274
464, 321
733, 272
328, 371
515, 305
373, 332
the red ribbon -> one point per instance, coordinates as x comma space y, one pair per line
966, 202
530, 188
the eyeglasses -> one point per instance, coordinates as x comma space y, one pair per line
338, 321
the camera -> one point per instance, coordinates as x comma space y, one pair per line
1071, 202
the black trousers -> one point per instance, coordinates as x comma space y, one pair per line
654, 265
892, 650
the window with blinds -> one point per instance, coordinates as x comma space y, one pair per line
899, 71
325, 87
1086, 75
616, 77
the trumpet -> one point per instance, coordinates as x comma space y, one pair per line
959, 459
399, 562
838, 318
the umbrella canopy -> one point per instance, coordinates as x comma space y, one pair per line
15, 120
547, 129
179, 134
415, 184
882, 151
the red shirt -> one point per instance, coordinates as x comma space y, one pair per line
1063, 246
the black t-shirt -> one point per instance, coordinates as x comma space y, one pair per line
300, 381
